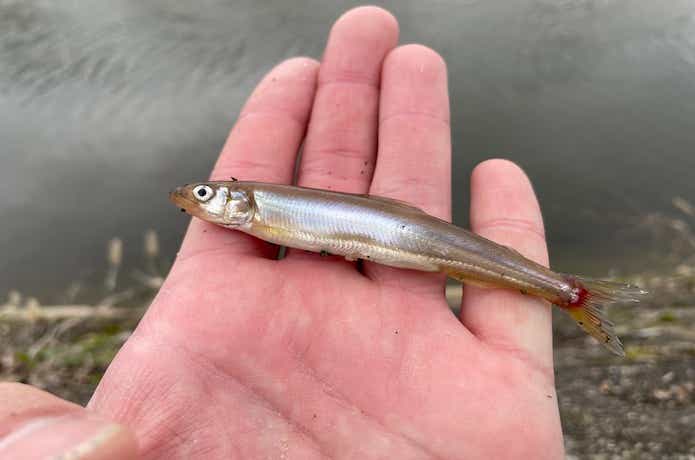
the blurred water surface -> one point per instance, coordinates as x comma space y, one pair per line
105, 105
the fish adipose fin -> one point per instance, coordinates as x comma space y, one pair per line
588, 309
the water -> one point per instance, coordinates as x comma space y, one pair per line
105, 105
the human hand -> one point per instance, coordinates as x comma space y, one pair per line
307, 357
37, 425
245, 356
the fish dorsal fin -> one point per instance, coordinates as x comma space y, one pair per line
394, 202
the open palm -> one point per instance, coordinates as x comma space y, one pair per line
245, 356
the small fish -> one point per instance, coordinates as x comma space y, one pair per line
394, 233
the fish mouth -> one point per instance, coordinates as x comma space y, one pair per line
180, 196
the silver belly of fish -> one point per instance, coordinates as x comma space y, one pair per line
340, 229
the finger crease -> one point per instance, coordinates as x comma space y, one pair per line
520, 354
425, 187
282, 114
347, 79
415, 114
519, 225
319, 154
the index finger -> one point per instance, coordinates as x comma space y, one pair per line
262, 146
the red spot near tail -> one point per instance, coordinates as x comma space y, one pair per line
579, 295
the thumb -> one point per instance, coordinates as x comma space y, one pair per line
37, 425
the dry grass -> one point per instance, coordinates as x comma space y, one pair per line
66, 348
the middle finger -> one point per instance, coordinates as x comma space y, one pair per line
340, 148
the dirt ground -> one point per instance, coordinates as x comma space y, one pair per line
638, 407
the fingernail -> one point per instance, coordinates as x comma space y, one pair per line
65, 437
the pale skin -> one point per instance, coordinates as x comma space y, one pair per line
244, 356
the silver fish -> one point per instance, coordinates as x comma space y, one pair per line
394, 233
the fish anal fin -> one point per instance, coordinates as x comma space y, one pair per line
592, 319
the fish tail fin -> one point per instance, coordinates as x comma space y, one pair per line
588, 307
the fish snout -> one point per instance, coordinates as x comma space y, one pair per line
177, 192
180, 197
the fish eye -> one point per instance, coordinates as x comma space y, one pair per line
203, 192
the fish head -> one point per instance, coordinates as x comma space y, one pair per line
222, 203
